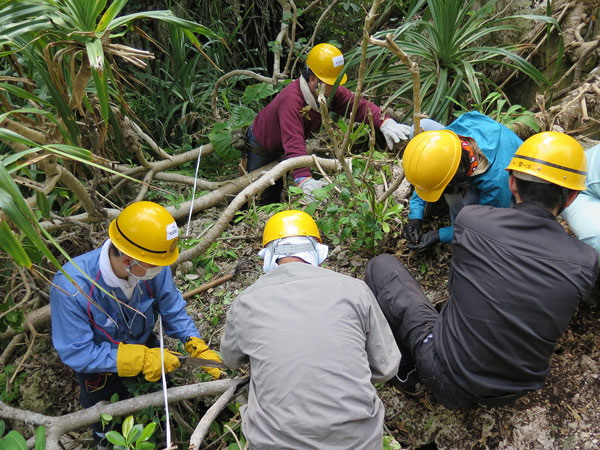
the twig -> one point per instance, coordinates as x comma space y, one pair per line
392, 187
322, 172
18, 369
311, 41
10, 348
212, 413
248, 73
414, 70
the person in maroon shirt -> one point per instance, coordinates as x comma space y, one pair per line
284, 124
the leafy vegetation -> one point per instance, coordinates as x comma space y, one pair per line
452, 42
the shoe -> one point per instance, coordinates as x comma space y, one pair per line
410, 384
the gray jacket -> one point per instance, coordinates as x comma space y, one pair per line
316, 340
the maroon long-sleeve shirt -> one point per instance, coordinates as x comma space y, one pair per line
281, 126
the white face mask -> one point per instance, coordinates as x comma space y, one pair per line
148, 275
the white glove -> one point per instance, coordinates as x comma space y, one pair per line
393, 132
309, 184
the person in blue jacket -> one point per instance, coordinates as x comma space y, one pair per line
105, 303
583, 216
464, 162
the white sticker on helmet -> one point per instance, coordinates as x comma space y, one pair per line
172, 231
338, 60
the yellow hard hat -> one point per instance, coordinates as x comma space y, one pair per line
147, 232
326, 61
554, 157
430, 161
290, 223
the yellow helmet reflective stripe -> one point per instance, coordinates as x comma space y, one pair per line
146, 232
327, 62
430, 161
554, 157
290, 223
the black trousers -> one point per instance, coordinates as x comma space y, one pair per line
96, 387
412, 317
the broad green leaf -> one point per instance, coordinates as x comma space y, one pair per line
241, 116
127, 425
258, 92
13, 441
134, 433
40, 438
114, 437
11, 245
148, 431
220, 138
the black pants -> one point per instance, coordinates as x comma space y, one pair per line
412, 317
96, 387
256, 160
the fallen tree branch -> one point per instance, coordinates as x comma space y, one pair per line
57, 426
33, 319
211, 415
267, 179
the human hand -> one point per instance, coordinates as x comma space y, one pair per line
394, 132
309, 184
197, 348
135, 358
412, 230
429, 239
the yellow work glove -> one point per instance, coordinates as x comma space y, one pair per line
134, 358
197, 348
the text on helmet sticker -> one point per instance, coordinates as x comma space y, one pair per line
338, 60
172, 231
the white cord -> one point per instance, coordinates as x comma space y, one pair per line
164, 381
187, 231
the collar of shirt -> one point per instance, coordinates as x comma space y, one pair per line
535, 210
309, 98
111, 279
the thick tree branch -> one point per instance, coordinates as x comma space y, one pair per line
254, 188
57, 426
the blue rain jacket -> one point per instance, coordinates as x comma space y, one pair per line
583, 215
498, 144
86, 347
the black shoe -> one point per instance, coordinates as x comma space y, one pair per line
410, 384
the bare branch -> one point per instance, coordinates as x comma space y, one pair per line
233, 73
57, 426
210, 416
414, 69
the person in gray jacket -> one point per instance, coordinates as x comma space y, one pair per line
515, 281
316, 340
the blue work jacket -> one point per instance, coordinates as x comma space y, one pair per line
90, 345
498, 144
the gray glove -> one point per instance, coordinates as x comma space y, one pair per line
309, 184
394, 132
